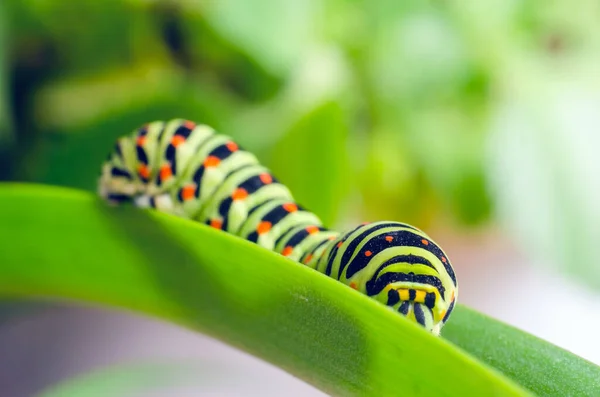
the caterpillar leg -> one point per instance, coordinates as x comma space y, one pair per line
418, 305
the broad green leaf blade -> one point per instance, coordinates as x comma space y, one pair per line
538, 365
311, 160
65, 243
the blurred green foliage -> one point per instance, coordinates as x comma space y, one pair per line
334, 97
368, 110
5, 125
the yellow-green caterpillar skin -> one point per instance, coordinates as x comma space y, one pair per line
188, 170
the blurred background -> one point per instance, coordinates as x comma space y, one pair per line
476, 121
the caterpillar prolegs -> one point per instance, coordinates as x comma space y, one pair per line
189, 170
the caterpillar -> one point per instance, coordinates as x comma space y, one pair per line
189, 170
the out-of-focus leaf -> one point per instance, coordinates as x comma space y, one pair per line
390, 181
6, 135
67, 104
86, 36
137, 87
7, 138
417, 58
544, 166
311, 160
545, 29
211, 56
431, 165
276, 33
429, 92
86, 145
448, 145
322, 76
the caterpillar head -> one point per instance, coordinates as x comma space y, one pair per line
402, 267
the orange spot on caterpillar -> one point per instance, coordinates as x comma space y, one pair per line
287, 251
312, 229
339, 244
388, 238
217, 224
425, 242
266, 178
353, 285
239, 194
308, 258
368, 253
211, 161
177, 140
165, 172
290, 207
232, 146
190, 125
331, 238
263, 227
141, 140
144, 171
444, 259
188, 192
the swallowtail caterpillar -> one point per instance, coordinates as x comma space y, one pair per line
189, 170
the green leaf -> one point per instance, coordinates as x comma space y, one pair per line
6, 133
85, 36
251, 26
213, 56
65, 243
311, 159
532, 362
77, 129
